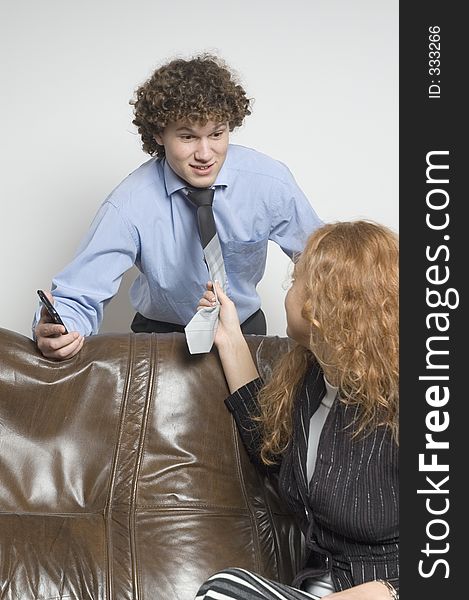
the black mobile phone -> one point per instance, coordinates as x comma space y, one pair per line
54, 315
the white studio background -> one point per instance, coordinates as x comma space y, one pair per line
323, 73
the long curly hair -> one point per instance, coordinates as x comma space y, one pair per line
350, 272
196, 90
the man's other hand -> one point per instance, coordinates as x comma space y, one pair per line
51, 340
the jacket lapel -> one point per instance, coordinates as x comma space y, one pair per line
311, 393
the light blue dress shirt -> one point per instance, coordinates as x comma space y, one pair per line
148, 221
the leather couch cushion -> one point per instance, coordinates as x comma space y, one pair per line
123, 475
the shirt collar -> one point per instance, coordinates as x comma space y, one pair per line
174, 183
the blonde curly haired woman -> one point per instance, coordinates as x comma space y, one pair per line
327, 421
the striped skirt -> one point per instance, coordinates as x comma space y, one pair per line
238, 584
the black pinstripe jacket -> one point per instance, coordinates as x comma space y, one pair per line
349, 512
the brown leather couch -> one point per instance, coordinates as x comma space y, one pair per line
123, 476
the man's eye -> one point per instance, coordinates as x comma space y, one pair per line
217, 134
186, 138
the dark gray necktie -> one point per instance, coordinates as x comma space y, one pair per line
202, 199
201, 329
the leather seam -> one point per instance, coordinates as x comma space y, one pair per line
108, 507
153, 362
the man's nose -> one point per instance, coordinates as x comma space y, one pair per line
203, 151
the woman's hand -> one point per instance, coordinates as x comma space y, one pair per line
228, 330
372, 590
235, 356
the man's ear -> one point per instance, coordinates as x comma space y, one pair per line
158, 139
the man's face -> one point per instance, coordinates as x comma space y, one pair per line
195, 152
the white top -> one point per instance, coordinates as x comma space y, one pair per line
315, 427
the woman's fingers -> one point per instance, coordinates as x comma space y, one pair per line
204, 302
222, 297
209, 296
213, 294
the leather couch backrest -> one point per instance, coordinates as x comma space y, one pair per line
123, 476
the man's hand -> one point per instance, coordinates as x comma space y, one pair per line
50, 338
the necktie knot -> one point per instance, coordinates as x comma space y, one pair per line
201, 196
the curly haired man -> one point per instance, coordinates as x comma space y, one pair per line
184, 114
